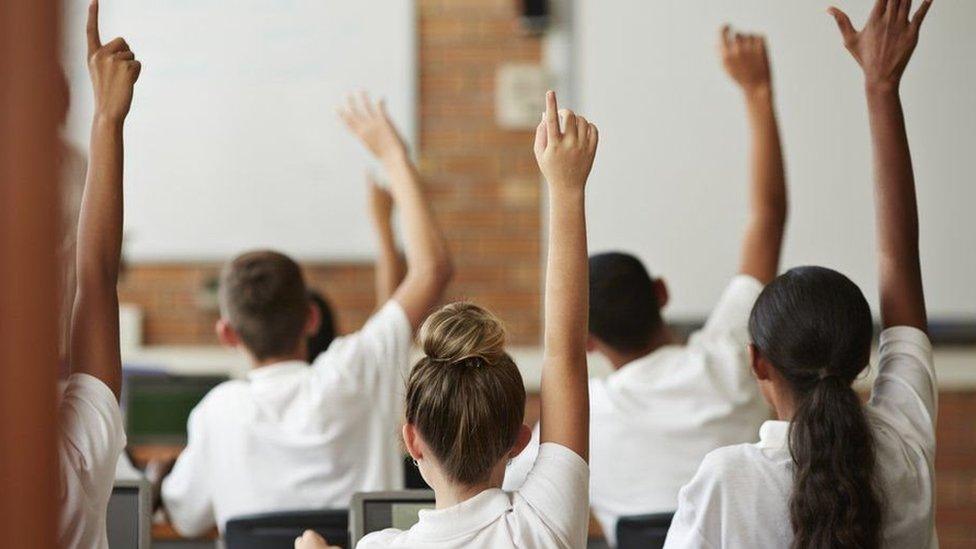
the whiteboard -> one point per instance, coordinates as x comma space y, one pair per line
670, 180
232, 142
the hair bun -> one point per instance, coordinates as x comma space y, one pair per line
461, 331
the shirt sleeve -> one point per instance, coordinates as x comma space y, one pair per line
379, 351
906, 390
186, 491
729, 321
92, 432
557, 489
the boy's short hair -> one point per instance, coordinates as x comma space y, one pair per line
624, 310
262, 296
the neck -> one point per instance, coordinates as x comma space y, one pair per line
449, 496
661, 337
300, 354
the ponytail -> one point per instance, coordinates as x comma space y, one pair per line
834, 501
815, 328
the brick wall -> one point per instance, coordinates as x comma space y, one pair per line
482, 181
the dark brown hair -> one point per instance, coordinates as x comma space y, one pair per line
814, 326
262, 296
465, 396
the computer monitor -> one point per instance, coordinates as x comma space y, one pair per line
374, 511
129, 518
157, 406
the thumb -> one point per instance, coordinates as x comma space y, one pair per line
844, 24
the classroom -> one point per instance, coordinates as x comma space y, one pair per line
573, 274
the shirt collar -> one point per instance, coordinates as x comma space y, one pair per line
276, 370
470, 515
774, 434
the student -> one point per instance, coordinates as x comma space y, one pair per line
465, 397
390, 269
667, 405
831, 472
294, 436
91, 435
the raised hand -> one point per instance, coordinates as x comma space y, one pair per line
745, 59
368, 121
114, 71
885, 44
565, 155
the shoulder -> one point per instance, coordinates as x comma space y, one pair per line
382, 538
221, 398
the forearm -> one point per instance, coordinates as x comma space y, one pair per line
389, 267
100, 221
896, 211
763, 239
567, 274
425, 247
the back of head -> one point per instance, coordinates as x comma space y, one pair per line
624, 310
814, 326
465, 396
262, 296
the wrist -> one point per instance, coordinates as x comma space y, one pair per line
395, 156
104, 119
566, 191
881, 87
762, 93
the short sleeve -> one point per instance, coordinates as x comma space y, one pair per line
380, 350
557, 489
905, 390
186, 492
729, 320
698, 508
92, 432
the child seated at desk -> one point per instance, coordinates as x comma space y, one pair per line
299, 436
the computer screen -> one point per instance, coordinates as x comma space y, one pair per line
379, 515
123, 518
158, 406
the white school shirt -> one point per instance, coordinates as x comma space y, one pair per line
653, 420
91, 438
293, 436
549, 511
740, 495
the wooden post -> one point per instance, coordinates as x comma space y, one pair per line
29, 226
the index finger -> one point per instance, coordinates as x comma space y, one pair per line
552, 116
94, 39
724, 37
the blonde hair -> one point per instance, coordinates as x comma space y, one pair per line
465, 396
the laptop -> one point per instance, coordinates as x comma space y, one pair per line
129, 518
157, 406
375, 511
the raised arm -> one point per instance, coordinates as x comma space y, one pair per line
389, 265
883, 48
95, 319
565, 157
747, 63
429, 266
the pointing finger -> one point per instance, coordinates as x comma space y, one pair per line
94, 39
552, 117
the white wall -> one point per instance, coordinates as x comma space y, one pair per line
671, 175
232, 142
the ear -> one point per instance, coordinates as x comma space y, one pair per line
314, 320
411, 439
760, 366
591, 343
226, 334
521, 441
661, 292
